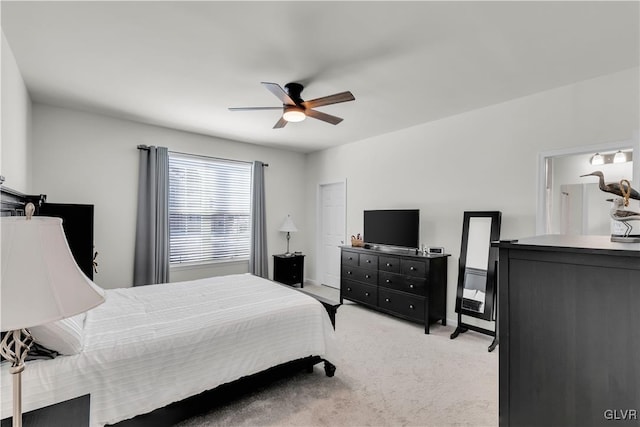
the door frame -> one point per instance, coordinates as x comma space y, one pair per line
319, 230
543, 157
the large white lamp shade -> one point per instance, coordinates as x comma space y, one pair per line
41, 281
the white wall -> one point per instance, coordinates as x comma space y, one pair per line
15, 149
485, 159
80, 157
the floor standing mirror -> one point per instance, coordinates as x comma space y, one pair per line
476, 292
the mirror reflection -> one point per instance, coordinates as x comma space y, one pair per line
477, 259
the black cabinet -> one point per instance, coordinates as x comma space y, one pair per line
413, 287
568, 329
289, 269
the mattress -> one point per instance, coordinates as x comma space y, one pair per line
149, 346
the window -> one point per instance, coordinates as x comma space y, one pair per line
209, 209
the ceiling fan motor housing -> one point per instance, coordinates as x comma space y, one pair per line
294, 90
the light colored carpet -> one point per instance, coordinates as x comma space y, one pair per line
389, 373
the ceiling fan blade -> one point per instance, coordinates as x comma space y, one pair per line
280, 123
280, 93
253, 108
323, 116
331, 99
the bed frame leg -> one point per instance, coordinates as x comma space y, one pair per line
329, 368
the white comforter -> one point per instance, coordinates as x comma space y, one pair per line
148, 346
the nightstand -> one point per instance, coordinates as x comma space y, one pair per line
70, 413
289, 269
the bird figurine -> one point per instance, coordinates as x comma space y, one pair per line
614, 187
619, 213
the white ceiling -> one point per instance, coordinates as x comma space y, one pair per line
182, 64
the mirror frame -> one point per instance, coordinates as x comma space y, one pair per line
490, 288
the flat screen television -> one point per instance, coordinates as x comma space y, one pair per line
399, 227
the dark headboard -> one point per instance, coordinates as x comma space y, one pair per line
77, 221
12, 202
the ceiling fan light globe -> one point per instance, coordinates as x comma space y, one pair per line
294, 114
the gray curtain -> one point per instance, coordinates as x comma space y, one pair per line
258, 261
151, 263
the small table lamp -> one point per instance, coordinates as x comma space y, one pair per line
288, 227
41, 283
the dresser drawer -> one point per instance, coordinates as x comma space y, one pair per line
360, 274
367, 261
413, 268
415, 285
411, 306
350, 258
359, 292
391, 280
390, 264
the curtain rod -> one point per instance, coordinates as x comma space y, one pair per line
146, 147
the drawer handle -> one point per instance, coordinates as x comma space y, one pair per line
412, 268
349, 273
349, 289
387, 300
411, 306
366, 276
388, 281
369, 261
388, 264
411, 286
350, 259
366, 294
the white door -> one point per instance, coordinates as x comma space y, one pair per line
332, 221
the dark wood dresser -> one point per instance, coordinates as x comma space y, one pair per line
569, 329
289, 269
413, 287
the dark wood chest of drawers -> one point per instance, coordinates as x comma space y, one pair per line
413, 287
568, 327
289, 269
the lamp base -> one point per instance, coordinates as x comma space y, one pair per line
288, 237
14, 347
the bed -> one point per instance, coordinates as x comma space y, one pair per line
149, 346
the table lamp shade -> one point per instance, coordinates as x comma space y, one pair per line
288, 226
41, 281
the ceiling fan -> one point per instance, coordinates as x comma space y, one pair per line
295, 109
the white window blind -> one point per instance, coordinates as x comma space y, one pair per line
209, 209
